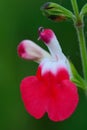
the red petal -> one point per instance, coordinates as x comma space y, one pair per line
58, 99
62, 75
64, 103
33, 95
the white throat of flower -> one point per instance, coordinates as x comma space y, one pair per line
58, 59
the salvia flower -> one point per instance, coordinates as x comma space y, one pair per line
50, 90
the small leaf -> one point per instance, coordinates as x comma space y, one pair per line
56, 12
83, 10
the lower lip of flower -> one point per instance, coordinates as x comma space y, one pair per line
43, 94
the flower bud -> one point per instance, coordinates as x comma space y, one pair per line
56, 12
29, 50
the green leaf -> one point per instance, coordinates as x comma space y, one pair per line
83, 10
56, 12
77, 79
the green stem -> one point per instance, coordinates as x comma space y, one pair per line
79, 25
83, 52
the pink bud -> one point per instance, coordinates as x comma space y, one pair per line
29, 50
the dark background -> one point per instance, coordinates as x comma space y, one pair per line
20, 19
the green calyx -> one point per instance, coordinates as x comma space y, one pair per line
56, 12
77, 79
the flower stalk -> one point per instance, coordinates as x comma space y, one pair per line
79, 25
83, 52
75, 8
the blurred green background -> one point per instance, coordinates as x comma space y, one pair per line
20, 19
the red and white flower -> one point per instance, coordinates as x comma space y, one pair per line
50, 90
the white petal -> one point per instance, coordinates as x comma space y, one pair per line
52, 66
